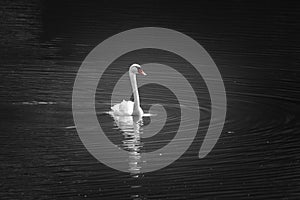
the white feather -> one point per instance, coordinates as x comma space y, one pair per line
123, 108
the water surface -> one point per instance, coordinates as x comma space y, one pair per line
42, 156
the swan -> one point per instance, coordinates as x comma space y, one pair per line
129, 108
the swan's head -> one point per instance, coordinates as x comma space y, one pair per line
137, 69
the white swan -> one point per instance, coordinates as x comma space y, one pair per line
127, 108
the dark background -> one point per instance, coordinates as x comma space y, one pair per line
255, 46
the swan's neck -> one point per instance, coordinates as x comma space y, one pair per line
135, 91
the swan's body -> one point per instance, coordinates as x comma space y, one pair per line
123, 109
127, 108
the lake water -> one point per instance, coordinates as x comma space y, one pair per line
257, 155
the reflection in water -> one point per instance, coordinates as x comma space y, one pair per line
131, 129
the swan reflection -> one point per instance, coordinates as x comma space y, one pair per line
131, 129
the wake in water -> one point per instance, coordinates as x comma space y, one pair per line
35, 103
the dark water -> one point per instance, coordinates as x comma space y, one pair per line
254, 46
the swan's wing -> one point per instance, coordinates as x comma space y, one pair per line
115, 108
123, 108
126, 107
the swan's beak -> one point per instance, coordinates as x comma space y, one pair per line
141, 72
